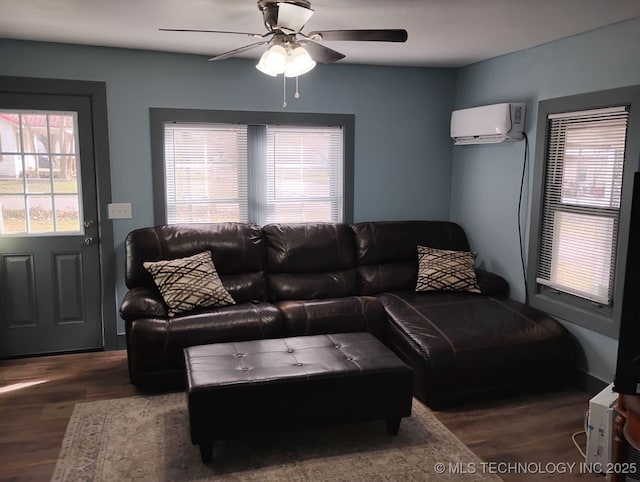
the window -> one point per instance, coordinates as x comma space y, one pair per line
39, 189
217, 166
205, 173
579, 221
303, 174
583, 185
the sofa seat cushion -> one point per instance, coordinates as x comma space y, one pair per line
336, 315
156, 345
458, 343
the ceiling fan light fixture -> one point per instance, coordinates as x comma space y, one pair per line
273, 61
298, 63
262, 67
292, 17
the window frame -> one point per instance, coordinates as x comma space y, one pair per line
599, 318
158, 117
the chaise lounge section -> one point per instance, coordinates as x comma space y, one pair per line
460, 344
324, 278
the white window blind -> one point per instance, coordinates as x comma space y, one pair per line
583, 185
303, 174
257, 173
206, 173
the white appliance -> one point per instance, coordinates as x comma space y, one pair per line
600, 428
488, 124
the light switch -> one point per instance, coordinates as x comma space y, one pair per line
119, 210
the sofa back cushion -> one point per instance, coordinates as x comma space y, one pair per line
237, 250
387, 251
310, 261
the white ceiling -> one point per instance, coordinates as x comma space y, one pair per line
442, 33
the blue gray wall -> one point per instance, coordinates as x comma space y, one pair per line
485, 180
402, 148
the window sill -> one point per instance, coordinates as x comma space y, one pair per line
559, 306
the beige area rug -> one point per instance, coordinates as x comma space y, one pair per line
147, 439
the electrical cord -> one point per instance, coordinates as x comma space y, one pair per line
573, 437
585, 431
522, 262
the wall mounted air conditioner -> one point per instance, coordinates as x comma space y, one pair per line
488, 124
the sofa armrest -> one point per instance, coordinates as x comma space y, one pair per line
155, 345
492, 284
142, 303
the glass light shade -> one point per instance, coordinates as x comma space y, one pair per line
299, 62
273, 61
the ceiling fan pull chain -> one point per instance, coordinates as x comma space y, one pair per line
297, 94
284, 91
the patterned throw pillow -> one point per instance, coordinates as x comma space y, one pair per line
440, 269
189, 283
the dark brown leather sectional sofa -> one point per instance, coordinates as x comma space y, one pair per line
323, 278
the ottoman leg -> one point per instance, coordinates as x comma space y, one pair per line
393, 424
206, 450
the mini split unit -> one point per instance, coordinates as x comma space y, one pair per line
488, 124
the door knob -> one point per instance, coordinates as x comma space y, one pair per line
89, 241
89, 223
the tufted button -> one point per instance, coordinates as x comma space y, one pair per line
239, 355
350, 358
245, 369
298, 364
290, 350
338, 346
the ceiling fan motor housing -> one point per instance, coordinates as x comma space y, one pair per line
270, 12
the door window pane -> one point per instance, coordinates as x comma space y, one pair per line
62, 134
13, 215
67, 213
39, 185
67, 182
40, 214
39, 173
11, 178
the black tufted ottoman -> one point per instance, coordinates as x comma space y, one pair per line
234, 389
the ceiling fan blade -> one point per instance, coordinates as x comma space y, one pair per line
320, 53
233, 52
257, 35
387, 35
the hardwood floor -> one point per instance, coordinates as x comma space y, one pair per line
37, 396
534, 430
33, 418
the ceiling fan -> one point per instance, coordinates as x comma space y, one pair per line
292, 52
